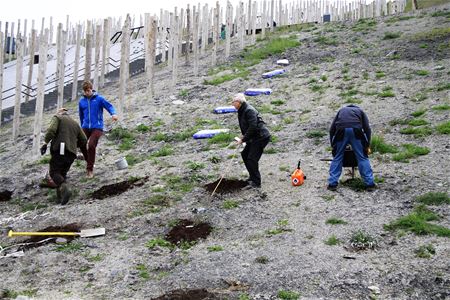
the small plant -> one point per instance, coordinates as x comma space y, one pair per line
223, 138
335, 221
355, 184
143, 272
361, 240
417, 122
365, 75
142, 128
391, 35
442, 87
417, 131
316, 134
288, 295
323, 77
215, 248
244, 297
230, 204
262, 259
387, 92
425, 251
441, 107
160, 242
277, 102
418, 223
443, 128
410, 151
318, 88
44, 160
332, 241
281, 228
434, 198
418, 113
184, 93
422, 72
69, 247
379, 74
195, 166
377, 144
166, 150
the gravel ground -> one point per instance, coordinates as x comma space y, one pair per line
263, 241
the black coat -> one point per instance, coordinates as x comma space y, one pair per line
252, 126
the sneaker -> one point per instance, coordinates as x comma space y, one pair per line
371, 188
90, 174
332, 187
65, 193
251, 185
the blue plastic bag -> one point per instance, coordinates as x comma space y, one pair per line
225, 110
256, 92
208, 133
273, 73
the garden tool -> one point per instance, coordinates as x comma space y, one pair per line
82, 233
223, 173
298, 177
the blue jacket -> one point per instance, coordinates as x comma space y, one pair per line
91, 111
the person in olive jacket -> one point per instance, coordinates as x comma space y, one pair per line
65, 135
255, 134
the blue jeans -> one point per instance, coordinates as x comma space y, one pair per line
365, 170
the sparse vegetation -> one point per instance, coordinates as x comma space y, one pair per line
288, 295
391, 35
377, 144
443, 128
410, 151
335, 221
434, 198
360, 240
425, 251
332, 241
215, 248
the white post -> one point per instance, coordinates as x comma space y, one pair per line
188, 33
11, 41
50, 37
180, 32
175, 53
40, 94
263, 20
105, 58
108, 47
18, 95
2, 47
216, 30
241, 24
25, 38
88, 54
124, 65
150, 55
254, 15
228, 28
204, 28
195, 40
60, 66
171, 35
31, 66
76, 64
98, 39
272, 12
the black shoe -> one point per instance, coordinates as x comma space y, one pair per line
332, 187
58, 195
65, 193
371, 188
251, 185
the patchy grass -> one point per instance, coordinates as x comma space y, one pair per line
335, 221
417, 122
410, 151
361, 240
421, 72
365, 25
315, 134
391, 35
122, 135
223, 139
418, 113
434, 198
425, 251
417, 222
165, 150
441, 107
277, 102
71, 247
442, 87
417, 131
230, 204
288, 295
215, 248
377, 144
159, 242
332, 241
326, 40
433, 34
387, 92
379, 74
355, 184
443, 128
142, 128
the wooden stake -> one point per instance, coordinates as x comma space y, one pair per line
98, 39
88, 54
18, 92
124, 66
76, 64
31, 66
2, 47
39, 109
195, 40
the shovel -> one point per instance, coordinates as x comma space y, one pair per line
82, 233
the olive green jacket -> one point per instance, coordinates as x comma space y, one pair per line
64, 129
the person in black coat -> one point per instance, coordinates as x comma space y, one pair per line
255, 135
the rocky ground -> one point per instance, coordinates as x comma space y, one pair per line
278, 242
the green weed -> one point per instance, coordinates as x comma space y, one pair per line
223, 138
434, 198
377, 144
441, 107
417, 122
142, 128
277, 102
316, 134
443, 128
184, 93
410, 151
425, 251
215, 248
160, 242
143, 271
418, 113
391, 35
417, 131
387, 92
365, 25
417, 222
422, 72
379, 74
332, 241
166, 150
230, 204
335, 221
195, 166
442, 87
69, 247
288, 295
433, 34
361, 240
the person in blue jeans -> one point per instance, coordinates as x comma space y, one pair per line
350, 126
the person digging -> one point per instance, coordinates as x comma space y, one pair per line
256, 136
65, 135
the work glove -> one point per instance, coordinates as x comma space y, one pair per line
43, 149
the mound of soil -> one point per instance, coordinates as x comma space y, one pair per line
187, 231
226, 186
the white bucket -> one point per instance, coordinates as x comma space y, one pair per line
121, 163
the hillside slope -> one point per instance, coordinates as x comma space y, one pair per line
277, 242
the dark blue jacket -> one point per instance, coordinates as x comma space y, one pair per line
91, 111
350, 117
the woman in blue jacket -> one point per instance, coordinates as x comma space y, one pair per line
90, 108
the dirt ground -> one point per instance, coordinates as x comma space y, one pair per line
167, 237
